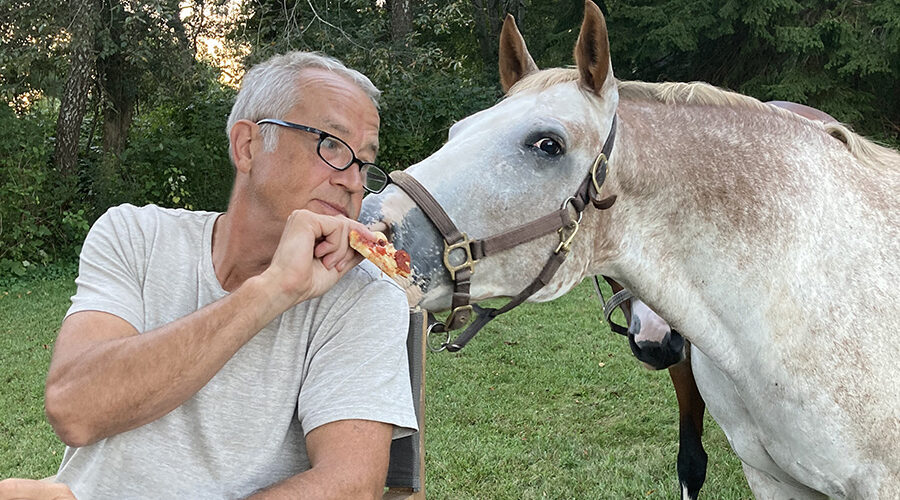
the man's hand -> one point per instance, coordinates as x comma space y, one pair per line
313, 254
30, 489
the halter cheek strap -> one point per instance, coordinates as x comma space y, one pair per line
462, 253
609, 306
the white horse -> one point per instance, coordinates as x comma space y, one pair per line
770, 241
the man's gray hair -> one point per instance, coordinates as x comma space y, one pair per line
269, 90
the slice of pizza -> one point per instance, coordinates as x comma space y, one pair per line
393, 262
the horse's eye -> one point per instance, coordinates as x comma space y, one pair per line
549, 146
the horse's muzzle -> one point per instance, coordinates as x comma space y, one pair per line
409, 230
659, 355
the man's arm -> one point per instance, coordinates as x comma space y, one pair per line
104, 378
154, 372
33, 489
349, 459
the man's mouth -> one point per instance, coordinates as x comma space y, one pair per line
328, 208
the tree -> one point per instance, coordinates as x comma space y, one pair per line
842, 56
489, 16
32, 59
84, 15
401, 20
143, 45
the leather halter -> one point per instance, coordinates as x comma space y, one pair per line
610, 306
458, 244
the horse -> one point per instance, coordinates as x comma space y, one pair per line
658, 347
651, 340
767, 243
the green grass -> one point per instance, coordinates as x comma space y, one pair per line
544, 403
30, 314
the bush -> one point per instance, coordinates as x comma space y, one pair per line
417, 114
38, 221
177, 156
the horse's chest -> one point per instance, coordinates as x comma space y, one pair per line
793, 439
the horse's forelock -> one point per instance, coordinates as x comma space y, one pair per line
543, 80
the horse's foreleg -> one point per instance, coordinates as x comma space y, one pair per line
691, 455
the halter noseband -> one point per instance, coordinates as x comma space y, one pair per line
458, 243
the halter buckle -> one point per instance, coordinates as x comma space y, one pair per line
461, 312
465, 244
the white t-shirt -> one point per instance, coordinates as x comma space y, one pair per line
340, 356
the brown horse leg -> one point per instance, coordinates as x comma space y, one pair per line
691, 455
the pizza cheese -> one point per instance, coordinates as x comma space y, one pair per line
393, 262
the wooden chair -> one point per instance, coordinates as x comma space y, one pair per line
406, 472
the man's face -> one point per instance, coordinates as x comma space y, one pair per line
293, 176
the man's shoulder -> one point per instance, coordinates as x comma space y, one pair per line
151, 218
365, 286
366, 274
155, 212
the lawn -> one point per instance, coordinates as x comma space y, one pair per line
544, 403
30, 314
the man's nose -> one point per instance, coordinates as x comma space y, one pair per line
350, 178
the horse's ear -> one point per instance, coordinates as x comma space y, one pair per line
515, 61
592, 49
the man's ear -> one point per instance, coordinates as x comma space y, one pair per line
242, 137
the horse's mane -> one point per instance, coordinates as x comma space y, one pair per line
700, 93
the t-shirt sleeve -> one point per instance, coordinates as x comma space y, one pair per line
109, 279
358, 366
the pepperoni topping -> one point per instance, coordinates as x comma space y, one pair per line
402, 259
380, 251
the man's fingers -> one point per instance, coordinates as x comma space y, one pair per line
351, 260
314, 252
334, 245
323, 248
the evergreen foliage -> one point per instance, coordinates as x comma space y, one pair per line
153, 128
842, 57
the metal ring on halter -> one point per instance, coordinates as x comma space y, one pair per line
429, 343
572, 200
567, 233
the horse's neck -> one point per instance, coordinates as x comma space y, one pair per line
728, 220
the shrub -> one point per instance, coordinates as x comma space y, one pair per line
34, 199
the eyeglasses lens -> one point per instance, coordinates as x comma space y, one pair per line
376, 179
335, 152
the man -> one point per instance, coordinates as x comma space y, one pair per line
201, 348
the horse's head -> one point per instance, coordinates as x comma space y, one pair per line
516, 162
650, 337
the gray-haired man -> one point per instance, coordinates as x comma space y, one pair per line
246, 353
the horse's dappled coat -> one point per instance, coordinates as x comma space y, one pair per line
768, 240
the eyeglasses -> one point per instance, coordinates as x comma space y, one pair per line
339, 155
